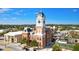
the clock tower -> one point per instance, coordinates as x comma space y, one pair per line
40, 28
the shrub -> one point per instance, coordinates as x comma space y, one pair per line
76, 47
34, 43
56, 47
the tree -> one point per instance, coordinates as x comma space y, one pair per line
66, 38
23, 41
74, 34
28, 42
76, 47
34, 43
56, 47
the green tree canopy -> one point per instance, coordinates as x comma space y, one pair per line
74, 34
34, 43
23, 41
28, 42
56, 47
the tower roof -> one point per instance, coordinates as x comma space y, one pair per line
40, 13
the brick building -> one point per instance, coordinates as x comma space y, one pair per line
42, 34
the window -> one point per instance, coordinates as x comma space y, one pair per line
25, 30
33, 33
38, 21
76, 41
40, 38
43, 21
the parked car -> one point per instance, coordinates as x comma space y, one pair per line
34, 49
1, 49
25, 48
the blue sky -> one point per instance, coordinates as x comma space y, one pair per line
27, 15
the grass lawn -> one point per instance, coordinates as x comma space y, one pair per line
67, 46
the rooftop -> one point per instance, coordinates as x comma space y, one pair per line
14, 33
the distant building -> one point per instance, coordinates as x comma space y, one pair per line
42, 34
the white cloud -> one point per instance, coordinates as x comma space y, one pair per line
2, 10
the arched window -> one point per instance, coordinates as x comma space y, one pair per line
12, 40
38, 21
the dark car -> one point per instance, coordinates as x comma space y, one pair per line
34, 49
1, 49
25, 48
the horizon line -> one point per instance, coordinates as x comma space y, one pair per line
34, 24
